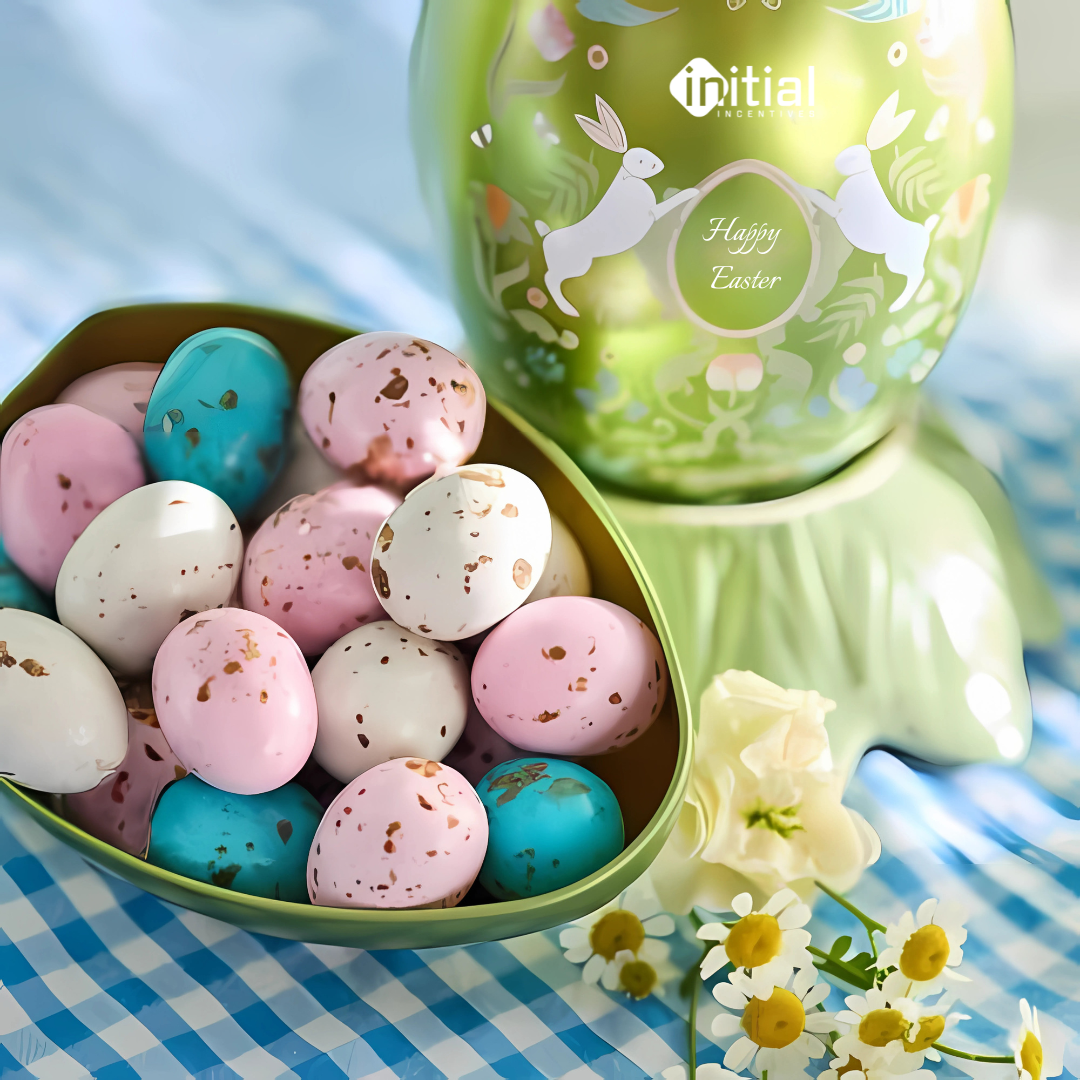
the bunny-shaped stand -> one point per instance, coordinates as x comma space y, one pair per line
625, 213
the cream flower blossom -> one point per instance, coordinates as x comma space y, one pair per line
924, 948
767, 945
1036, 1058
763, 805
619, 943
774, 1034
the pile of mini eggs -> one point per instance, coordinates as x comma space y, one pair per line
261, 689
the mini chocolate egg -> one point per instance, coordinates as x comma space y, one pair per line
254, 844
307, 567
60, 466
479, 749
384, 693
119, 809
119, 392
391, 408
157, 555
234, 698
551, 823
566, 572
63, 723
18, 591
462, 551
219, 415
570, 675
409, 833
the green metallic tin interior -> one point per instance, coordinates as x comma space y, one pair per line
649, 777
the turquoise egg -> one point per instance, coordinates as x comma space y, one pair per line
256, 844
18, 591
550, 822
218, 416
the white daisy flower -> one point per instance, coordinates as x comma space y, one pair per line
928, 1023
924, 949
847, 1067
709, 1071
775, 1033
767, 945
1036, 1058
638, 978
630, 924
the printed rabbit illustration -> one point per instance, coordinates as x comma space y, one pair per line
625, 213
864, 213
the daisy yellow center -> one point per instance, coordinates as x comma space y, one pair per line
853, 1065
637, 978
930, 1029
617, 930
754, 940
879, 1027
775, 1023
1031, 1055
924, 954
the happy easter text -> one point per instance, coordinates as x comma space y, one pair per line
742, 240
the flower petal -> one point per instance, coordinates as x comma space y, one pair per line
654, 950
794, 916
642, 902
725, 1024
804, 979
740, 1053
821, 1021
743, 904
573, 936
659, 926
729, 997
778, 901
714, 960
925, 914
610, 979
815, 995
592, 971
713, 931
578, 954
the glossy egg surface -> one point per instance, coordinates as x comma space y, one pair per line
551, 823
154, 557
567, 571
60, 466
408, 833
255, 844
234, 698
18, 591
120, 392
219, 415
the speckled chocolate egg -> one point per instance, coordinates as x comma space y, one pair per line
119, 809
570, 675
462, 551
219, 415
307, 567
18, 591
157, 555
254, 844
60, 466
63, 724
392, 408
551, 823
234, 698
384, 693
566, 572
408, 833
120, 393
480, 748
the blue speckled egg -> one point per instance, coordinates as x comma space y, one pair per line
18, 591
219, 415
551, 823
255, 844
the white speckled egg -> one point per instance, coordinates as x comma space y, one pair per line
567, 572
63, 722
462, 552
409, 833
154, 557
385, 693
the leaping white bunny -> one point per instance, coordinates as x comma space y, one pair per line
625, 213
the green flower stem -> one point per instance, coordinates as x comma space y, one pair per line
870, 924
941, 1048
694, 978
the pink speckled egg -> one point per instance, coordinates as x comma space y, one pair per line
234, 698
570, 675
119, 392
60, 466
307, 567
407, 833
392, 408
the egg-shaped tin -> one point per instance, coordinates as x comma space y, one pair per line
255, 844
219, 415
392, 408
63, 724
462, 551
384, 693
567, 570
119, 809
409, 833
120, 392
60, 466
570, 675
307, 567
234, 698
551, 823
18, 591
157, 555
